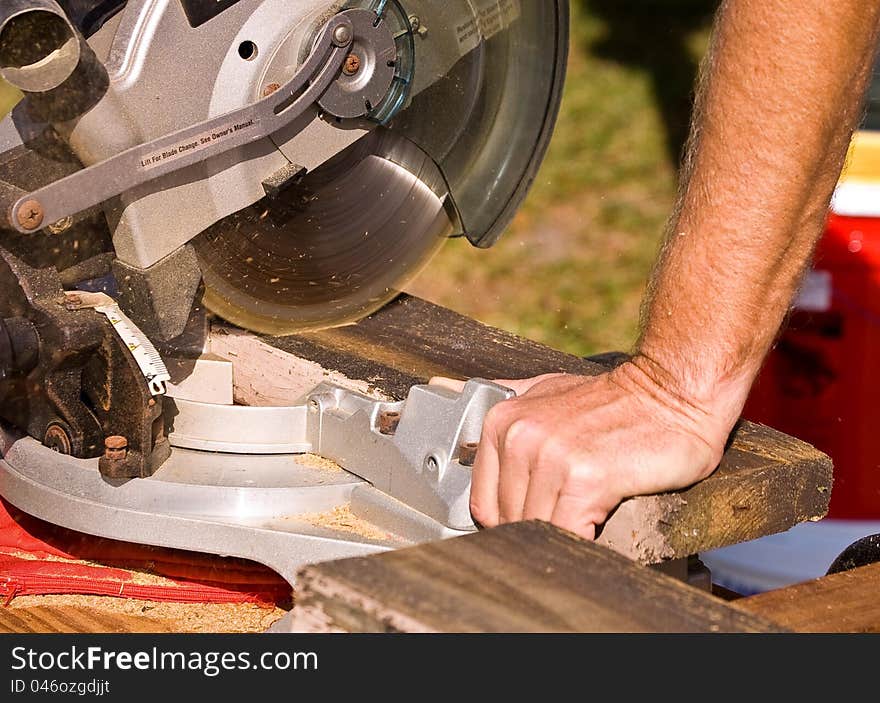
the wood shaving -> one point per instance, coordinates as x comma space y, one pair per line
175, 617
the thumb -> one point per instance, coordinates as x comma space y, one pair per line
449, 383
518, 386
524, 385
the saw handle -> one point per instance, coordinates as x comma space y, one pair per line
173, 152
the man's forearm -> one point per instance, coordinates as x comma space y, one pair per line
780, 99
781, 94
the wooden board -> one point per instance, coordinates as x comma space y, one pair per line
767, 481
844, 602
95, 614
527, 577
75, 619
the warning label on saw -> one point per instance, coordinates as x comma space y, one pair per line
195, 144
492, 17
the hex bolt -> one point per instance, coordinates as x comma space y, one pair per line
115, 448
30, 214
342, 35
271, 88
388, 421
352, 65
467, 453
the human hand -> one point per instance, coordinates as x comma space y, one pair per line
568, 449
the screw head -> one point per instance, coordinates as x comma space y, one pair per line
116, 442
352, 65
342, 35
30, 214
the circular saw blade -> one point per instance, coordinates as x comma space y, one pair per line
330, 249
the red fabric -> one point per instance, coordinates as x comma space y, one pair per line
37, 558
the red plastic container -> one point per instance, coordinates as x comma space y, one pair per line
821, 382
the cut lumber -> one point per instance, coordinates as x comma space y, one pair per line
525, 577
43, 619
844, 602
767, 482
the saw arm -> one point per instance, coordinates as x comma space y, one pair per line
160, 157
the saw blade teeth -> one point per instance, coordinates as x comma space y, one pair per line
331, 249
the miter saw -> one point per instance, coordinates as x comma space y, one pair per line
285, 165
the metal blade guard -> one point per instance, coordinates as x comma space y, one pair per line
424, 459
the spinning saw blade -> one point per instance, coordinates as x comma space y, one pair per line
317, 157
457, 160
332, 248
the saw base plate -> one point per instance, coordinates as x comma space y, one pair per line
263, 508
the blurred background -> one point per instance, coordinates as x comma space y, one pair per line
571, 270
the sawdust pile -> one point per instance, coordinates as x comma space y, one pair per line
175, 617
317, 462
140, 577
344, 520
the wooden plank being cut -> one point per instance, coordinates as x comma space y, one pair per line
526, 577
844, 602
767, 482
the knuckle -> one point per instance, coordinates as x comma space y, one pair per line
497, 414
554, 453
522, 433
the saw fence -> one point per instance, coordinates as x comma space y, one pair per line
531, 576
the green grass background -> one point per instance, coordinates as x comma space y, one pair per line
570, 271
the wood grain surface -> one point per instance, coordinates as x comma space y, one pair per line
47, 619
844, 602
525, 577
